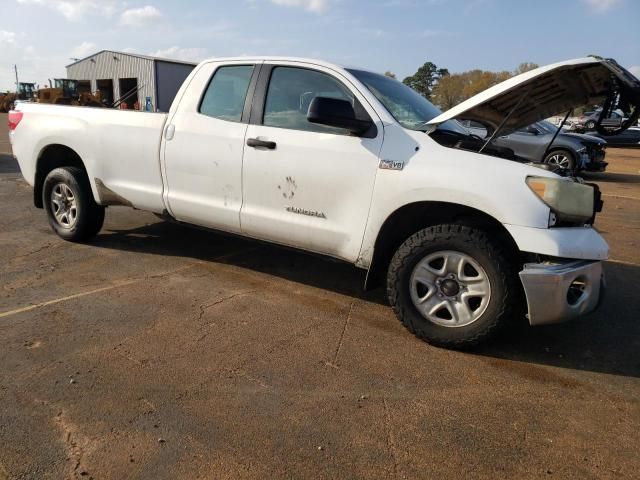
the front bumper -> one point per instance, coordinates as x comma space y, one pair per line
593, 160
559, 292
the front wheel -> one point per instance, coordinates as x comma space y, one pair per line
451, 286
72, 212
561, 158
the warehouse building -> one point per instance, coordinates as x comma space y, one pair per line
146, 81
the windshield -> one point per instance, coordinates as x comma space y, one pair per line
546, 126
406, 105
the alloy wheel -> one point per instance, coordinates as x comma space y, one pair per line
64, 205
450, 288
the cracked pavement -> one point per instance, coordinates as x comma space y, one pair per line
160, 351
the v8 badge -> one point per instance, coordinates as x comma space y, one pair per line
391, 165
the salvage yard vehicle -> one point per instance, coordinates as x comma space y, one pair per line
26, 92
588, 121
353, 165
65, 92
574, 152
630, 138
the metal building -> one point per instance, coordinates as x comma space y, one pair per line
116, 74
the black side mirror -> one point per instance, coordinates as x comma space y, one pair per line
533, 130
338, 113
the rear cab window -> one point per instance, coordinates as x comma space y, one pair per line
226, 93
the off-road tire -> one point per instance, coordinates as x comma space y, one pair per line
498, 263
89, 217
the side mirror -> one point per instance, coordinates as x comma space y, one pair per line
533, 130
334, 112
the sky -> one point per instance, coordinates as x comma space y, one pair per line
43, 36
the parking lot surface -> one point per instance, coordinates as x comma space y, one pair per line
159, 351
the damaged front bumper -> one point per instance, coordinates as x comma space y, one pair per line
557, 292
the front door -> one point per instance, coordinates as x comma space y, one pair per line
204, 145
305, 184
529, 143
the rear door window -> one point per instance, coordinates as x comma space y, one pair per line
225, 96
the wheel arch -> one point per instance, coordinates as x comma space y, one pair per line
51, 157
413, 217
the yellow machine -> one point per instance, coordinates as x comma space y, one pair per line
25, 92
65, 92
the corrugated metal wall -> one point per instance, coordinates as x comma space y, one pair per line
114, 65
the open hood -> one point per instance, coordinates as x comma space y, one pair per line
551, 90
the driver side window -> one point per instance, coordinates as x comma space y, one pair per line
290, 93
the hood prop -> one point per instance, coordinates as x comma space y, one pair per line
506, 119
555, 135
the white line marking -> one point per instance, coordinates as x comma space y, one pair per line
122, 283
623, 262
620, 196
70, 297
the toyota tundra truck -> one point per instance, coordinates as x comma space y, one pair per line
347, 163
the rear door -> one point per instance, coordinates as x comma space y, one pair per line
204, 146
311, 187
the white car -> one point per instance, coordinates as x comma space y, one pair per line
353, 165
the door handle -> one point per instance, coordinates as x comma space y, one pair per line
171, 129
255, 142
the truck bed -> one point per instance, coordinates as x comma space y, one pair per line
120, 148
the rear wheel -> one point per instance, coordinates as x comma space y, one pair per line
72, 212
451, 286
590, 125
561, 158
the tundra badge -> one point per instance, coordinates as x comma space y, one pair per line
304, 211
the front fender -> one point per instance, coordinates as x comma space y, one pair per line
433, 173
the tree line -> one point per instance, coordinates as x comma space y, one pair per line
448, 90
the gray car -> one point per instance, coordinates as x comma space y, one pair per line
588, 121
572, 151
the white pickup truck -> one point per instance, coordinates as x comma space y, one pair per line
354, 165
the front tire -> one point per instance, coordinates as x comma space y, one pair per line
72, 212
561, 158
451, 286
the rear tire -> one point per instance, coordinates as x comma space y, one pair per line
72, 212
479, 291
590, 125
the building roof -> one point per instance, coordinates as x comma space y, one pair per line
147, 57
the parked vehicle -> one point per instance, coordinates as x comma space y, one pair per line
65, 92
353, 165
571, 151
25, 93
630, 138
588, 121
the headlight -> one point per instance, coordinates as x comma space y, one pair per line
569, 201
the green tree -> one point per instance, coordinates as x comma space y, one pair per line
454, 89
426, 78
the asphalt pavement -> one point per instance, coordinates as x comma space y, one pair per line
160, 351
